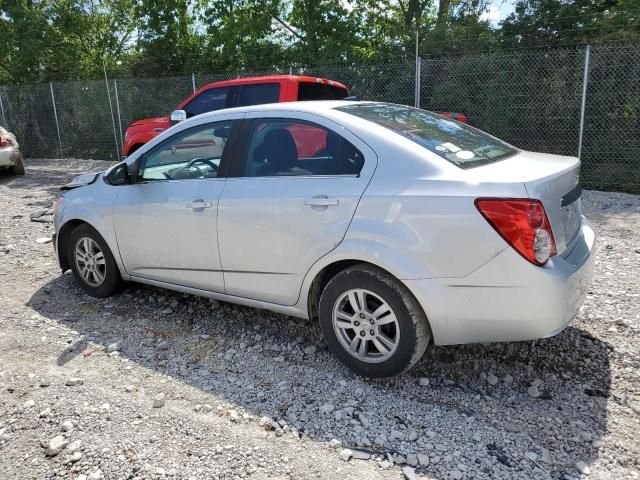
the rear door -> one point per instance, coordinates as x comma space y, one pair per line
289, 202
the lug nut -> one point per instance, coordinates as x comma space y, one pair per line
362, 333
371, 332
356, 323
362, 315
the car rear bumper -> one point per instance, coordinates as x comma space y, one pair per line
9, 156
509, 299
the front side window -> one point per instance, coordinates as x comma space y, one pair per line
207, 101
281, 147
460, 144
191, 154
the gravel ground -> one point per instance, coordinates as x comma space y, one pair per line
154, 384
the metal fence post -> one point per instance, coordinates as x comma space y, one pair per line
115, 92
193, 81
417, 81
55, 114
113, 120
4, 118
585, 79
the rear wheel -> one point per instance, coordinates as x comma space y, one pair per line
372, 323
18, 168
92, 263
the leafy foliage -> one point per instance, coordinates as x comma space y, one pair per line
71, 39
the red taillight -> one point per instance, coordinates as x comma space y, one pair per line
523, 224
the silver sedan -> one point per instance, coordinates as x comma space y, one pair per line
10, 156
393, 226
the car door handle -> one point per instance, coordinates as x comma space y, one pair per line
199, 205
321, 201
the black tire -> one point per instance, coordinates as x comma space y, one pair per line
112, 281
412, 323
18, 168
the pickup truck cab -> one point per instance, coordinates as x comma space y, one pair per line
237, 93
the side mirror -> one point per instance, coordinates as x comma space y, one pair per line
178, 116
118, 175
121, 174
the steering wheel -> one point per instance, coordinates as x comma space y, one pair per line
208, 161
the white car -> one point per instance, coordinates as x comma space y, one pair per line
10, 157
394, 226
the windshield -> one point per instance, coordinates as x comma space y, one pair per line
460, 144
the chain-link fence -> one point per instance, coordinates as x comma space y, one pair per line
572, 101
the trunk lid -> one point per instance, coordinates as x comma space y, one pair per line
552, 179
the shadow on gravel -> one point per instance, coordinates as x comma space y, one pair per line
266, 364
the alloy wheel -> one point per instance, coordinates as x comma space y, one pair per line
90, 261
366, 326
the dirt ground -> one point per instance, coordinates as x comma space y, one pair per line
156, 384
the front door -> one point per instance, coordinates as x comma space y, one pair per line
166, 223
289, 204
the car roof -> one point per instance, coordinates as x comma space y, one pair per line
311, 106
273, 79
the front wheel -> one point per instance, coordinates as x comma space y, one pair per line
372, 323
92, 263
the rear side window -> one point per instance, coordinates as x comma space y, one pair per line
258, 94
460, 144
320, 91
283, 147
207, 101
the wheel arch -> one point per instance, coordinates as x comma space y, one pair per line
324, 276
62, 239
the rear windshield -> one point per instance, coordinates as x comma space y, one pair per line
320, 91
460, 144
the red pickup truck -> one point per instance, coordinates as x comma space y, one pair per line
237, 93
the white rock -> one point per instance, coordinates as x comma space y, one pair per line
346, 454
533, 391
412, 460
45, 413
28, 404
413, 436
409, 473
159, 401
545, 456
334, 443
129, 388
423, 459
97, 475
67, 426
531, 456
75, 457
455, 474
310, 350
327, 408
74, 446
423, 381
82, 476
43, 240
508, 379
163, 345
72, 382
492, 379
583, 468
234, 417
114, 347
56, 445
